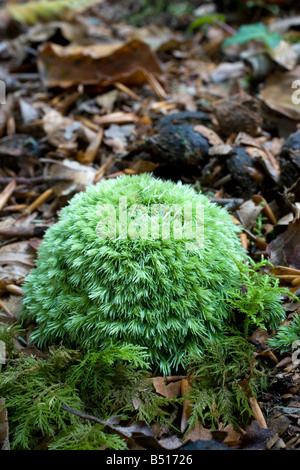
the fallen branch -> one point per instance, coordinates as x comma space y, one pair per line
23, 232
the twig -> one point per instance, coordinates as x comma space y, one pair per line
121, 431
6, 193
23, 232
36, 180
83, 415
13, 289
230, 203
226, 179
258, 413
38, 202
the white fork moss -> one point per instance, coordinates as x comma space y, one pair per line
155, 293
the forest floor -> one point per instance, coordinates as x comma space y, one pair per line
110, 90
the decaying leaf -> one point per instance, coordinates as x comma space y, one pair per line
80, 176
100, 65
255, 437
16, 260
171, 390
285, 249
277, 93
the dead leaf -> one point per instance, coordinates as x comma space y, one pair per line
228, 71
89, 155
277, 93
255, 438
81, 176
248, 213
233, 437
172, 390
16, 260
100, 65
117, 137
284, 54
284, 250
210, 135
198, 432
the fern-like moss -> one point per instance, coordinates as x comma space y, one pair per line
87, 436
286, 335
217, 394
36, 389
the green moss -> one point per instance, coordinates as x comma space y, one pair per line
217, 395
286, 335
35, 390
93, 291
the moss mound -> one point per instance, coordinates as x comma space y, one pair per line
92, 286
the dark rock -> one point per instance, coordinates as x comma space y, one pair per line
241, 183
290, 160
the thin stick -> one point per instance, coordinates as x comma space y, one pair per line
128, 91
13, 289
35, 180
6, 193
258, 413
39, 201
83, 415
23, 231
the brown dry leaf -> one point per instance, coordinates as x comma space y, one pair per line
259, 199
248, 213
210, 135
172, 390
255, 437
119, 117
233, 437
81, 176
6, 193
284, 54
61, 131
284, 270
89, 155
285, 249
16, 260
99, 65
277, 93
64, 132
159, 385
198, 432
143, 166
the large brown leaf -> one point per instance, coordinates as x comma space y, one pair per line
97, 65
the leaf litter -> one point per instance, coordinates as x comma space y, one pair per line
89, 96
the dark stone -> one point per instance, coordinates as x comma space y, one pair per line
290, 160
241, 183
